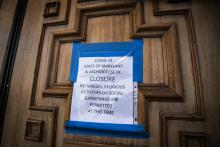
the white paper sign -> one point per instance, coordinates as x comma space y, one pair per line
103, 92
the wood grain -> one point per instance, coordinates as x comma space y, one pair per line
5, 24
171, 97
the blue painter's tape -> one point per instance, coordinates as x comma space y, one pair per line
138, 60
74, 62
113, 49
106, 129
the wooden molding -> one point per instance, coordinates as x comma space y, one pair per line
199, 114
78, 34
57, 92
54, 111
163, 31
52, 9
167, 91
200, 137
42, 108
159, 92
34, 130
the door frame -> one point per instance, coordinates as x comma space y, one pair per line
9, 58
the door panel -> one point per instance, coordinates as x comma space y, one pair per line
171, 98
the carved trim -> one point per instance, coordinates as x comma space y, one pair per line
52, 9
56, 92
159, 92
40, 108
199, 115
78, 34
54, 111
34, 130
138, 30
201, 137
45, 26
157, 30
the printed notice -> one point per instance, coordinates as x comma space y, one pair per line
103, 92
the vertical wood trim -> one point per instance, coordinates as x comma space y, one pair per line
9, 58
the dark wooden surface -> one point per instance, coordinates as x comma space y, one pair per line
178, 100
9, 58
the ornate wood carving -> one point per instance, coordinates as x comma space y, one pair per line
52, 109
199, 115
200, 137
52, 9
34, 130
169, 91
165, 91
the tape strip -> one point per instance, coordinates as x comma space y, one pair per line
105, 129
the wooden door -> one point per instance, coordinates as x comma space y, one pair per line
178, 100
